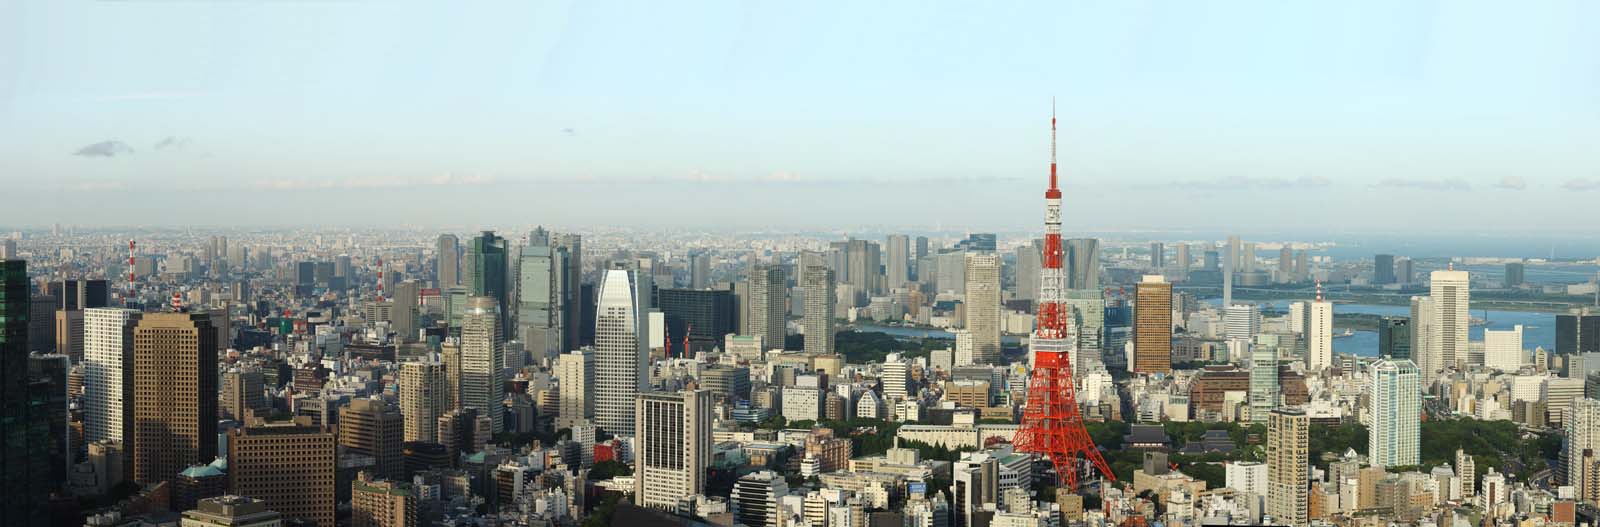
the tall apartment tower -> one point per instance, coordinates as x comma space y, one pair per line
674, 446
1230, 265
1030, 261
1182, 261
1265, 390
1319, 334
424, 396
108, 373
1152, 325
1450, 291
174, 394
1158, 255
448, 268
1580, 435
620, 362
482, 359
1467, 471
983, 306
897, 265
1422, 328
1396, 408
817, 281
1288, 466
575, 371
767, 305
289, 465
374, 428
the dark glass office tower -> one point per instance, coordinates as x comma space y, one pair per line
1383, 269
25, 478
488, 273
705, 314
1394, 337
1577, 333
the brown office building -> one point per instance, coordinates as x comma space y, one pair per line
1209, 390
289, 465
174, 395
382, 503
372, 427
1152, 326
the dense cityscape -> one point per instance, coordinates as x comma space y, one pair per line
547, 263
605, 377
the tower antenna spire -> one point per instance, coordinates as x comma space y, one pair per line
1052, 143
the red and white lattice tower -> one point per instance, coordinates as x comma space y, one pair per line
1052, 426
380, 278
131, 277
177, 302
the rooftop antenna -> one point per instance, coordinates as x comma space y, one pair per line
380, 279
131, 276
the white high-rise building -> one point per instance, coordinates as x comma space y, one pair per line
483, 348
1451, 317
1319, 334
1422, 326
1502, 349
1297, 318
620, 362
673, 447
1241, 321
575, 371
1395, 401
424, 396
896, 378
1580, 434
983, 306
108, 372
818, 319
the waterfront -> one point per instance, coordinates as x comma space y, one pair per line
1538, 329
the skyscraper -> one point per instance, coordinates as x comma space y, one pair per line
919, 251
289, 465
1086, 309
374, 428
674, 446
489, 275
577, 306
25, 469
174, 394
1152, 330
864, 267
767, 305
1158, 255
1395, 400
108, 374
619, 360
542, 285
1319, 333
448, 268
1264, 391
819, 309
1029, 262
424, 396
1502, 349
1578, 332
1580, 435
983, 306
1383, 269
242, 392
1451, 300
1285, 264
1082, 257
404, 316
1514, 274
1182, 260
897, 266
699, 270
1394, 338
1288, 466
1422, 328
575, 371
483, 359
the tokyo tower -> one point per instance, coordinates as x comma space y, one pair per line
1051, 424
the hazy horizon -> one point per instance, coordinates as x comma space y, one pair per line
1362, 118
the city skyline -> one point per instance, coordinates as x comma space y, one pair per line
1370, 105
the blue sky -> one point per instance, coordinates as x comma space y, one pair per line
1357, 116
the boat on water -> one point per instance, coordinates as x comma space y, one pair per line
1346, 333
